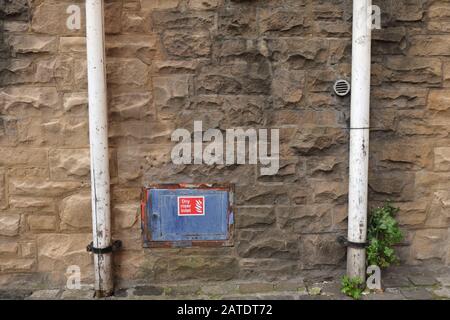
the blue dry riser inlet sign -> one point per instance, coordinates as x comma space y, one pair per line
165, 223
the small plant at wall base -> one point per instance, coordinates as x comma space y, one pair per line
382, 234
352, 287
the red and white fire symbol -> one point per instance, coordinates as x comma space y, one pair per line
191, 206
199, 206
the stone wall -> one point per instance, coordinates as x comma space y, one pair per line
229, 63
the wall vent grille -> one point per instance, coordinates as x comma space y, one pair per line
342, 88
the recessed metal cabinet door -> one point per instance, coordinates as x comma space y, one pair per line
166, 223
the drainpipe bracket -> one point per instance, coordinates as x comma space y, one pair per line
355, 245
117, 244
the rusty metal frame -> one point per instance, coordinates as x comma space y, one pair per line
146, 233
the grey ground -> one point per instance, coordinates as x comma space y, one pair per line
399, 283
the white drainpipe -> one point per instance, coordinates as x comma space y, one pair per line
359, 138
98, 135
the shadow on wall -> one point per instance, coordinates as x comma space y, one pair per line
14, 13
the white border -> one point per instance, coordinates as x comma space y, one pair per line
191, 215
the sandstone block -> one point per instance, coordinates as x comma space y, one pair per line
75, 102
438, 211
254, 217
309, 139
438, 17
212, 268
41, 223
333, 28
3, 200
27, 70
129, 264
193, 20
411, 155
31, 101
238, 21
406, 11
132, 72
65, 72
400, 186
136, 22
247, 288
429, 45
429, 244
16, 8
287, 172
181, 44
280, 21
44, 21
16, 265
324, 165
164, 67
327, 11
330, 191
125, 216
144, 47
442, 159
45, 295
232, 111
32, 204
171, 94
9, 224
301, 54
440, 10
203, 4
15, 26
67, 131
262, 194
287, 85
412, 213
28, 249
321, 249
427, 182
113, 14
412, 70
72, 44
138, 132
266, 244
238, 175
439, 100
69, 164
268, 268
80, 73
308, 118
8, 248
32, 44
131, 105
159, 4
75, 212
305, 219
59, 251
41, 187
251, 78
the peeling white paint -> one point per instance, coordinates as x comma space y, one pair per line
359, 137
98, 136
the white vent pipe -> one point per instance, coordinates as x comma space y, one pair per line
98, 136
359, 138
